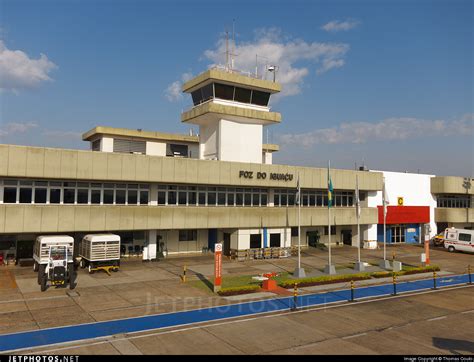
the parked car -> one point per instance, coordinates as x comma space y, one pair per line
438, 240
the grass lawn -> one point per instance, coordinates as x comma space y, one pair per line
246, 280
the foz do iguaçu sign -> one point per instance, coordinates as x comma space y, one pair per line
263, 175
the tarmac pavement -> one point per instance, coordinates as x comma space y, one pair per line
143, 288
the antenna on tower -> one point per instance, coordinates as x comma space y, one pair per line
233, 45
226, 48
256, 66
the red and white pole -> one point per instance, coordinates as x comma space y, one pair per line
217, 267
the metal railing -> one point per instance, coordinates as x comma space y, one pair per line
261, 253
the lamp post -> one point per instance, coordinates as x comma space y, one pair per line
299, 271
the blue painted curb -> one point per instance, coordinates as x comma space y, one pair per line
42, 337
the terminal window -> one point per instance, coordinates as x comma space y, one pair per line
275, 240
188, 235
255, 241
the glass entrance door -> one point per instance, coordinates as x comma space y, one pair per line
398, 234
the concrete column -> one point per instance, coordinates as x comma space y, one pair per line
153, 194
149, 251
270, 197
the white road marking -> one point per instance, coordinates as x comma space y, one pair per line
354, 336
436, 319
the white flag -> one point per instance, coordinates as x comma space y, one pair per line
385, 201
357, 198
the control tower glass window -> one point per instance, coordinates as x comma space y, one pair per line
224, 91
197, 97
260, 98
242, 95
207, 92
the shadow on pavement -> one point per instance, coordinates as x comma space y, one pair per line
453, 345
206, 281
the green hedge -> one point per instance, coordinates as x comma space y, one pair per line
306, 282
423, 269
238, 290
407, 271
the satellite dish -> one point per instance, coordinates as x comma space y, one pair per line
272, 69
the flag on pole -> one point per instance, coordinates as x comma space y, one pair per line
385, 201
298, 190
357, 198
330, 191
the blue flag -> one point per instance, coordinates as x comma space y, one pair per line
330, 191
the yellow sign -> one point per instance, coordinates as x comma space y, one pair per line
400, 201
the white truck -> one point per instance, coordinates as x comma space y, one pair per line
459, 239
54, 261
100, 252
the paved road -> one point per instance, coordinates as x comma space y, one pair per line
431, 322
50, 336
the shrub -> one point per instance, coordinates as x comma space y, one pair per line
238, 290
425, 269
407, 271
306, 282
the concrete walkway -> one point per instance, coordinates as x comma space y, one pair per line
22, 340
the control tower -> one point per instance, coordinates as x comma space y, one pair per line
231, 109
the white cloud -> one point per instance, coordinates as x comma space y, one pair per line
392, 129
19, 71
274, 49
173, 92
336, 25
13, 128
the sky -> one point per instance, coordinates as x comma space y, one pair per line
387, 84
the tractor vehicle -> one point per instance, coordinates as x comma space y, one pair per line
54, 262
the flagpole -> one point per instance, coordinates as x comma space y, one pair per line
358, 217
299, 272
299, 222
330, 269
385, 264
329, 215
384, 222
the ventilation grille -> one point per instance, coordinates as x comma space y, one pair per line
96, 145
129, 146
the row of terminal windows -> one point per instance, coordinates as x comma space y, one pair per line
211, 196
313, 198
71, 192
66, 192
231, 93
454, 201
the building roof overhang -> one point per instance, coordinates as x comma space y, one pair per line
98, 131
232, 78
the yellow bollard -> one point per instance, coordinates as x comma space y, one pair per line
434, 279
469, 273
352, 290
394, 284
184, 274
295, 296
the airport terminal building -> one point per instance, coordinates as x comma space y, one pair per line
168, 194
